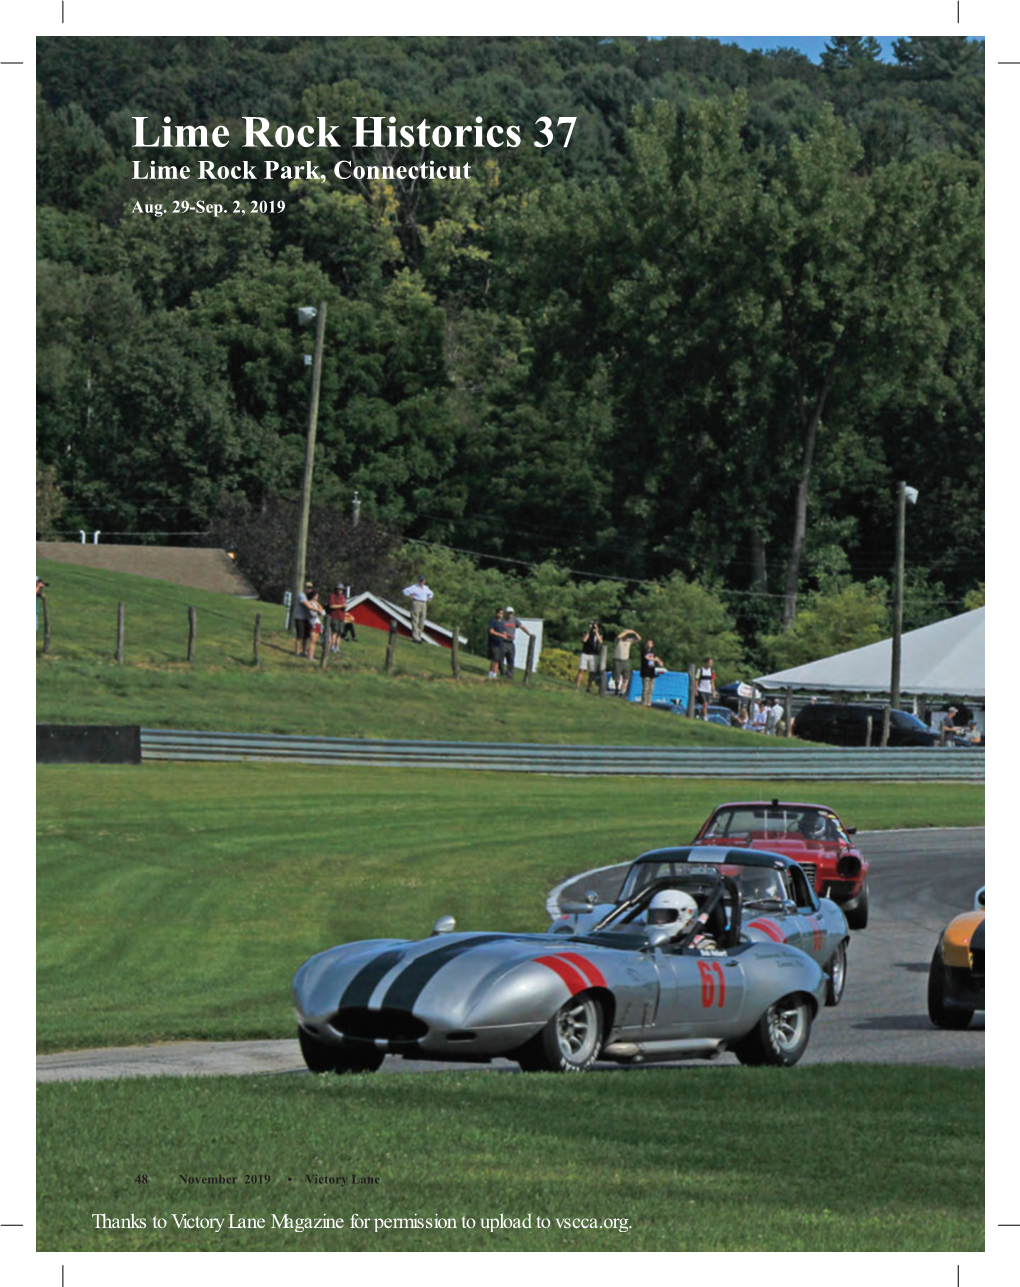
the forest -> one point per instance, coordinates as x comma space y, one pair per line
692, 353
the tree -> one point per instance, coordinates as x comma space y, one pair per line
846, 53
341, 549
50, 502
829, 624
689, 622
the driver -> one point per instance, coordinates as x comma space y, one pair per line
812, 826
674, 909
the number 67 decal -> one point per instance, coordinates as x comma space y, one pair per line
713, 983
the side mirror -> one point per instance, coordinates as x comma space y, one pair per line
445, 925
851, 831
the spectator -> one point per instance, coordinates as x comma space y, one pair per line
650, 666
419, 594
621, 660
40, 586
705, 685
950, 729
337, 609
302, 618
773, 716
497, 643
317, 614
591, 649
510, 627
759, 719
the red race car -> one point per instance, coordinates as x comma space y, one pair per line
811, 834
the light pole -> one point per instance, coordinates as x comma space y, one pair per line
904, 494
305, 316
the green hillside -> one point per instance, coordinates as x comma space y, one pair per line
79, 681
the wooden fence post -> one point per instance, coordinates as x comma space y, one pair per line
390, 647
45, 625
255, 641
324, 638
603, 676
192, 632
529, 665
119, 655
455, 652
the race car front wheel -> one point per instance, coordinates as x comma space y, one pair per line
836, 976
570, 1041
857, 917
780, 1036
942, 1015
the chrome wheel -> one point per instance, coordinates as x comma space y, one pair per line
788, 1026
780, 1036
570, 1041
578, 1027
836, 981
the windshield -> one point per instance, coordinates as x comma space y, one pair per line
761, 888
746, 822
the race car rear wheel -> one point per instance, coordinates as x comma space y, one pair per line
836, 980
570, 1041
321, 1058
780, 1036
941, 1015
857, 918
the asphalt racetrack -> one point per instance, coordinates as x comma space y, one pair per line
919, 881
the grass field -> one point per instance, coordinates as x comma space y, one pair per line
175, 900
79, 682
698, 1158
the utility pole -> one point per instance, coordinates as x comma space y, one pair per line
313, 416
904, 493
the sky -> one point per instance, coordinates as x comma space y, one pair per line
810, 45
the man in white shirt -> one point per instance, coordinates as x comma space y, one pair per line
419, 594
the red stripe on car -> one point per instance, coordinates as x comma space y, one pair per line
574, 981
769, 928
594, 976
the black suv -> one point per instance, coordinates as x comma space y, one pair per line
847, 725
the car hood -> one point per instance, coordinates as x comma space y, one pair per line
458, 971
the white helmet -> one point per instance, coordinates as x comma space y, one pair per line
674, 909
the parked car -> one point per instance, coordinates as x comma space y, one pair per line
737, 694
624, 991
848, 724
956, 976
811, 834
721, 715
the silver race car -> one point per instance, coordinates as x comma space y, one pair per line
777, 902
669, 973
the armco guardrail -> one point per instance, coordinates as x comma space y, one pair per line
771, 760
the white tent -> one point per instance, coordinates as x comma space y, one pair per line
948, 657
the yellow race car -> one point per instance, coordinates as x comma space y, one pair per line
956, 977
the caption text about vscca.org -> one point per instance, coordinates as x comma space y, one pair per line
375, 1224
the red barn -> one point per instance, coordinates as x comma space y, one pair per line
370, 610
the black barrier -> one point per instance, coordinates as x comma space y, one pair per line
88, 744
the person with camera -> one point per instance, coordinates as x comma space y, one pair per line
591, 652
40, 587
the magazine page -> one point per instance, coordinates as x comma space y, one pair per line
510, 698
